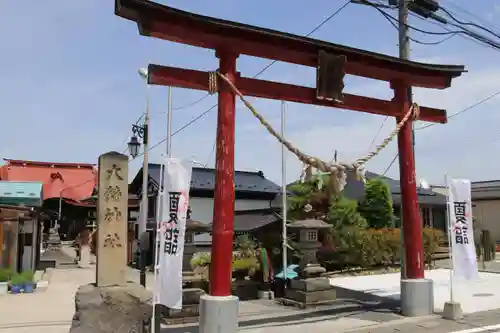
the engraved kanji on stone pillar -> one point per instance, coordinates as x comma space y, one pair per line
112, 212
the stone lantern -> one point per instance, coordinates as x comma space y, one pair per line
309, 244
311, 288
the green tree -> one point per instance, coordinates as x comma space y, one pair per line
343, 213
310, 199
376, 206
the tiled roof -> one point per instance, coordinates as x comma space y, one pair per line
480, 190
355, 190
483, 190
71, 180
204, 179
245, 221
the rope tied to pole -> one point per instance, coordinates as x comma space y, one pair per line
212, 83
336, 169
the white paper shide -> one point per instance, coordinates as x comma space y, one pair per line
462, 229
172, 228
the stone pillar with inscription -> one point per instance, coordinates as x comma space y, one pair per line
112, 304
112, 207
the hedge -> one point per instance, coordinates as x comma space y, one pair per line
366, 248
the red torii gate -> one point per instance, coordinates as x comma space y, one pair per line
229, 40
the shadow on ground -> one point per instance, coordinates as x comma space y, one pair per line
350, 304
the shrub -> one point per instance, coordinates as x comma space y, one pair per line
343, 212
17, 279
432, 238
200, 259
5, 274
350, 243
365, 248
28, 276
393, 245
376, 206
246, 245
249, 264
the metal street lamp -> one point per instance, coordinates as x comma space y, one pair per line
133, 146
142, 132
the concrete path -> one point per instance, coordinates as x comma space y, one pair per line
487, 321
50, 311
482, 294
489, 266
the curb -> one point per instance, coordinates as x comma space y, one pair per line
43, 283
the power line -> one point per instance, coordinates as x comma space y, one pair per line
195, 119
485, 22
392, 20
451, 116
484, 100
468, 23
191, 104
450, 33
378, 132
341, 8
390, 165
271, 63
440, 25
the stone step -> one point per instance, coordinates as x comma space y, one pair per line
311, 297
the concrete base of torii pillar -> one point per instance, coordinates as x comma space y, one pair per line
417, 297
218, 314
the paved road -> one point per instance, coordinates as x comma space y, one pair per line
488, 321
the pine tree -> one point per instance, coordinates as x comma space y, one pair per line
309, 199
376, 206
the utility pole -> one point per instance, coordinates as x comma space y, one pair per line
416, 291
404, 46
404, 53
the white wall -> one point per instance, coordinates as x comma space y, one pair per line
202, 210
487, 213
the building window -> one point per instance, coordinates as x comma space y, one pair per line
151, 207
189, 238
427, 217
312, 236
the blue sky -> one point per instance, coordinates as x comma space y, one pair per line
69, 88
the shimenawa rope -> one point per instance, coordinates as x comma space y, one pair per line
336, 169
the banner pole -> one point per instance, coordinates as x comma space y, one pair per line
157, 247
450, 231
284, 199
159, 207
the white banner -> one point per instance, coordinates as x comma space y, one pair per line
461, 227
172, 228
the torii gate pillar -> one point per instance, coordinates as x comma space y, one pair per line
219, 310
417, 298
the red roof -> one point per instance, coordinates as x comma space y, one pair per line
74, 181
